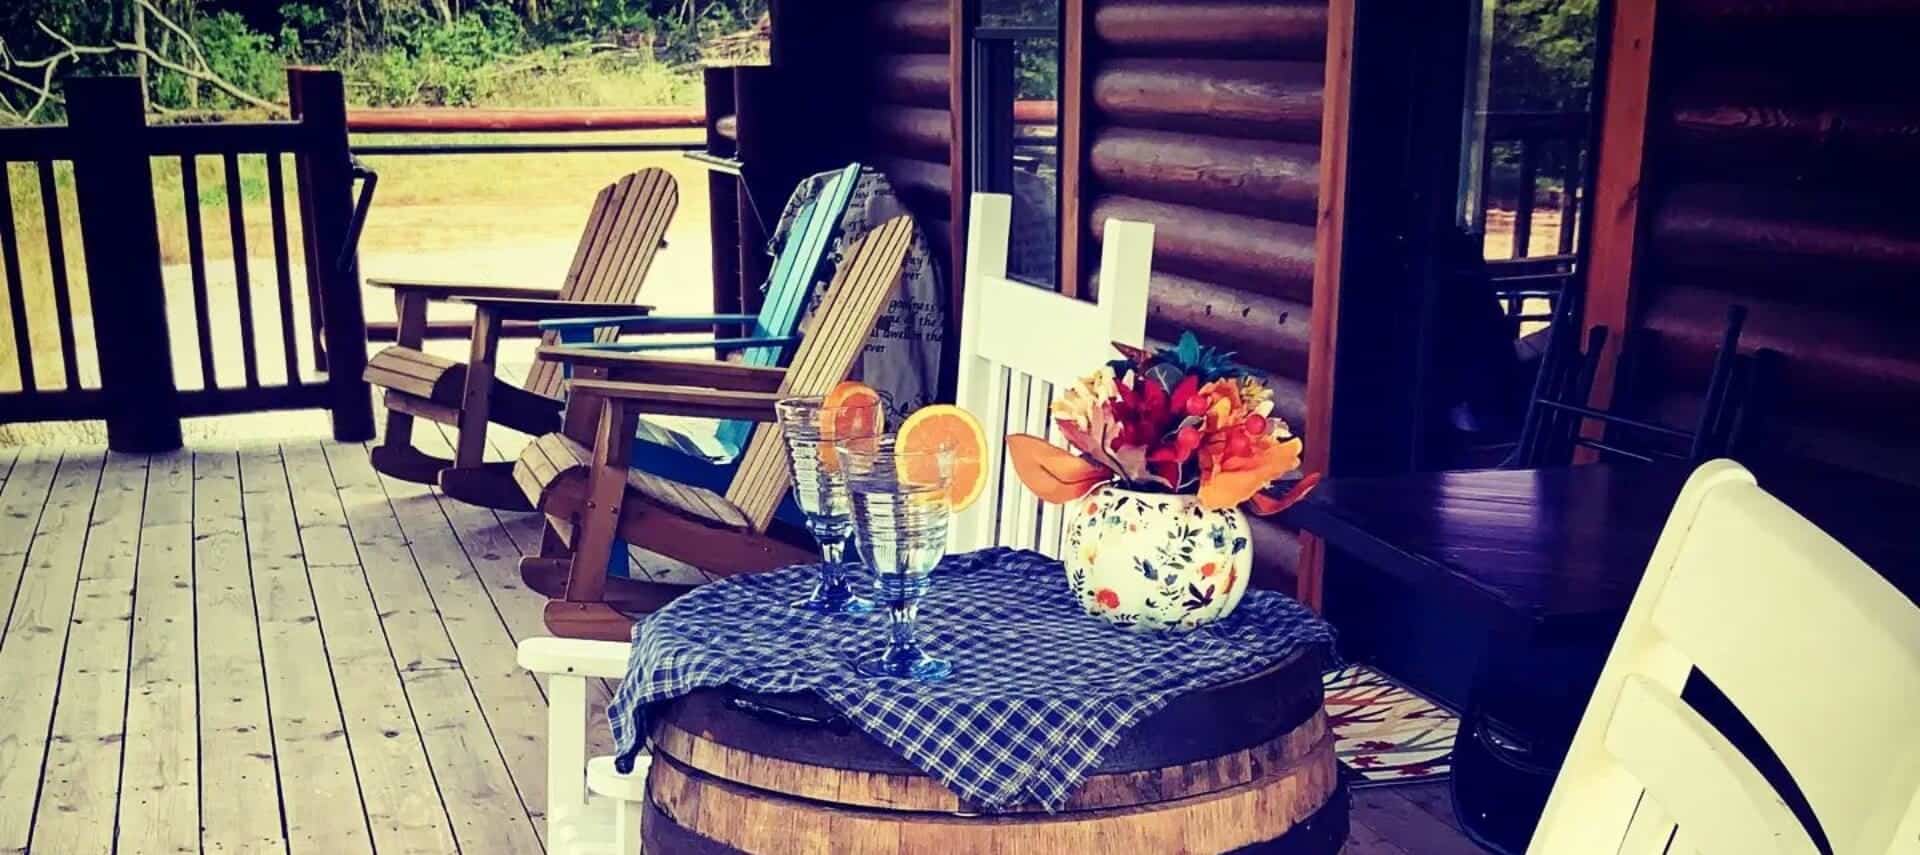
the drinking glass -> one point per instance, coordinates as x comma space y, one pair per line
820, 489
900, 514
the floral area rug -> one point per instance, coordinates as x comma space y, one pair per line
1385, 734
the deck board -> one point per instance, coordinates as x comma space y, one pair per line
468, 769
324, 812
240, 783
388, 753
36, 638
82, 775
511, 705
160, 770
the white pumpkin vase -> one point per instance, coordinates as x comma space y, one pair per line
1154, 561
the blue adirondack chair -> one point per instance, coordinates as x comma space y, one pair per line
708, 456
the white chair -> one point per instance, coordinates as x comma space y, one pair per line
591, 808
1814, 648
1018, 344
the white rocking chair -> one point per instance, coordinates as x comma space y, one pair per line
1820, 653
1020, 344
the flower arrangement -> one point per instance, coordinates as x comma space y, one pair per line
1183, 420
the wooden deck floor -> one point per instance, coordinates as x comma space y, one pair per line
261, 646
255, 648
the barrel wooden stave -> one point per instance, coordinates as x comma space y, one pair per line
1244, 767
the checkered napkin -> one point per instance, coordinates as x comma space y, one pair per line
1039, 689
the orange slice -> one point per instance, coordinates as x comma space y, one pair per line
945, 426
855, 411
855, 408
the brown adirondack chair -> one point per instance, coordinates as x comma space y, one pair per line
580, 479
623, 233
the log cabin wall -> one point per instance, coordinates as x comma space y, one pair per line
1204, 119
910, 129
1779, 173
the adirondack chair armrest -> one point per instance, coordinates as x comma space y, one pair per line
722, 344
450, 290
664, 400
632, 323
533, 309
634, 367
574, 657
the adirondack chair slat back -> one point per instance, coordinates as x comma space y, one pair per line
1817, 651
790, 283
1021, 345
623, 233
854, 299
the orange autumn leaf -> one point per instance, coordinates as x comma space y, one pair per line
1236, 478
1053, 473
1266, 506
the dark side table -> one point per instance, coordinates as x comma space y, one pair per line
1499, 592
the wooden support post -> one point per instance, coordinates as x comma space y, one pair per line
113, 183
1076, 74
1329, 243
319, 102
1619, 172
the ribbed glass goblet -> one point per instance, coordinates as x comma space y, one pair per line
900, 516
820, 489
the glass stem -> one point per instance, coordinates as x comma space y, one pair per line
901, 616
833, 573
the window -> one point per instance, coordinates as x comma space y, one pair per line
1014, 126
1525, 147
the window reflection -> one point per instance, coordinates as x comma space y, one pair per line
1014, 127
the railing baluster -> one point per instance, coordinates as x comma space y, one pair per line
16, 296
197, 263
1569, 196
243, 288
282, 265
1523, 214
57, 265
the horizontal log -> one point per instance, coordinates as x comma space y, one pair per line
1264, 29
915, 24
1271, 179
1836, 236
1276, 555
1741, 119
1267, 332
913, 131
1263, 256
1778, 9
923, 186
1289, 401
1839, 365
434, 120
1245, 98
913, 79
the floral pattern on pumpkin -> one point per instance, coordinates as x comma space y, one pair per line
1187, 572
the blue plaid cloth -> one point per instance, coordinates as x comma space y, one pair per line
1039, 689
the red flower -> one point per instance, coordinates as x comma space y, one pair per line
1207, 570
1107, 598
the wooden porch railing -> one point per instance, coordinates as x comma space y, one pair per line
111, 149
1526, 274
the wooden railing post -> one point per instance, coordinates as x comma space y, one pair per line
319, 101
113, 183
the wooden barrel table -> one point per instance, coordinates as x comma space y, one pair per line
1247, 767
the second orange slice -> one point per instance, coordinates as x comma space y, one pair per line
945, 426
